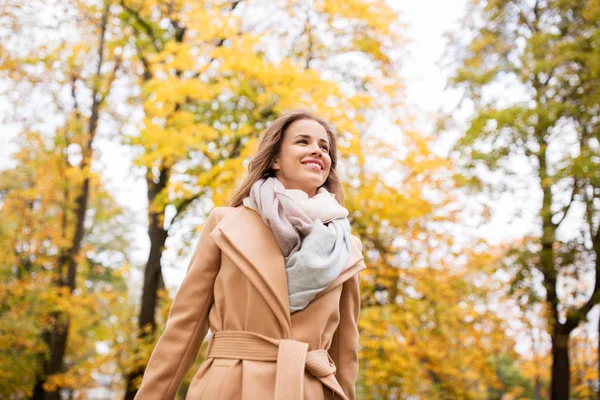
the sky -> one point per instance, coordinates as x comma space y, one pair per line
427, 21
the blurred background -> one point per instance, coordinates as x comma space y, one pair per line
469, 138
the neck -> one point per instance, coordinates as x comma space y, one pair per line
310, 192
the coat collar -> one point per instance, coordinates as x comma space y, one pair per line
262, 260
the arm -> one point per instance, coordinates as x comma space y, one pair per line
187, 322
344, 344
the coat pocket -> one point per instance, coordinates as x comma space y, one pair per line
211, 385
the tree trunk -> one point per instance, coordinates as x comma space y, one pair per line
152, 283
56, 336
561, 374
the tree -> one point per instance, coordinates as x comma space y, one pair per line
50, 205
210, 81
545, 53
33, 211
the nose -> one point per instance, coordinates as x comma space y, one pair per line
315, 150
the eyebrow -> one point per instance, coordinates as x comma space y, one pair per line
308, 136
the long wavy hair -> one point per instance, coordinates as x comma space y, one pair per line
269, 144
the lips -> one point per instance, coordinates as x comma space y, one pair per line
314, 161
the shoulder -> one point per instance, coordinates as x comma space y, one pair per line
222, 214
219, 212
216, 215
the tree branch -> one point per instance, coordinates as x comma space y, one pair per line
566, 209
147, 27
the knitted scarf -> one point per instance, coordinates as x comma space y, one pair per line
313, 234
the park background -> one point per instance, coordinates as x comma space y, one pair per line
469, 139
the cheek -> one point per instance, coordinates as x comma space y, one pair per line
328, 162
294, 154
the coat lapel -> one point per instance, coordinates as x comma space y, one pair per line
250, 243
245, 238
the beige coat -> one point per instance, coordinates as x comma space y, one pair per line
236, 285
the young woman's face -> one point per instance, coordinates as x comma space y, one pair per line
303, 161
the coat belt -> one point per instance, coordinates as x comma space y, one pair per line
292, 358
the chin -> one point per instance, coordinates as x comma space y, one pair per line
313, 182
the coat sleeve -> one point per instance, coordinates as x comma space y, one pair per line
187, 321
344, 344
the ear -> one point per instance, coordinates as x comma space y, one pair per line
275, 165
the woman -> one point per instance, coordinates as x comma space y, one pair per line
276, 278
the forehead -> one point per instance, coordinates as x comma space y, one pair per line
306, 127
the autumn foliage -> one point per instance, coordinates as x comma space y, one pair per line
176, 92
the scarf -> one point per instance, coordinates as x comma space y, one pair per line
313, 234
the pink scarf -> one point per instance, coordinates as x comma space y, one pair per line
313, 233
290, 212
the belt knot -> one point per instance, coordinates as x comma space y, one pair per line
292, 357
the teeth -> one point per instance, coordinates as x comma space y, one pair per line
313, 164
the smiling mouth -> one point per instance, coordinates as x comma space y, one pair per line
313, 166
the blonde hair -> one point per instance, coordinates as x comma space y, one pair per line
269, 145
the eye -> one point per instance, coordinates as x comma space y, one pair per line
324, 147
